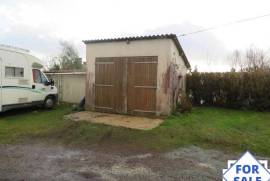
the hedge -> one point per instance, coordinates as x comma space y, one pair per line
249, 90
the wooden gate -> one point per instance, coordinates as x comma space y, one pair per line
126, 85
142, 84
108, 85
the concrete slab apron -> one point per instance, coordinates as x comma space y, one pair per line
133, 122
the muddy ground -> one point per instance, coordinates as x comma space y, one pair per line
43, 162
133, 122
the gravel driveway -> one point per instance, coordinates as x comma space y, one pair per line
43, 162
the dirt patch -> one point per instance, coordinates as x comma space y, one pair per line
133, 122
49, 162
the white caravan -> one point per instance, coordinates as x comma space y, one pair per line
22, 83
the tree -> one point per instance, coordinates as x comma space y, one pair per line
68, 59
54, 64
254, 59
236, 60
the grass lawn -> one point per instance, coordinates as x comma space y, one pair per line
224, 129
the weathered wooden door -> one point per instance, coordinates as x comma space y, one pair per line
126, 85
108, 85
142, 84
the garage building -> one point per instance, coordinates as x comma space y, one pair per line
135, 75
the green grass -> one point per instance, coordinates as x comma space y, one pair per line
17, 125
224, 129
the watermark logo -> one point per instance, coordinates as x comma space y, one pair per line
247, 168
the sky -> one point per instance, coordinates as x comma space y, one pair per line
39, 25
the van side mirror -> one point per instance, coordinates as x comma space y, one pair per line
50, 82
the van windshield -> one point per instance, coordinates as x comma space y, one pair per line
39, 77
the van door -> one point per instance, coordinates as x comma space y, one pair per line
39, 88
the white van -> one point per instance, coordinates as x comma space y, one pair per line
22, 83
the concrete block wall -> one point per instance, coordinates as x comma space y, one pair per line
71, 86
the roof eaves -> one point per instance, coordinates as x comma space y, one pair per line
150, 37
181, 51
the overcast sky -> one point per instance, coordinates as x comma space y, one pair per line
38, 25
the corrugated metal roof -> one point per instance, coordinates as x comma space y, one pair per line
65, 72
150, 37
12, 48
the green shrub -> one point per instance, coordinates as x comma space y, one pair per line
250, 90
185, 104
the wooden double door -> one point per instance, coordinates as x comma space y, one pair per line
126, 84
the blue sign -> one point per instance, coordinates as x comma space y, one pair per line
247, 168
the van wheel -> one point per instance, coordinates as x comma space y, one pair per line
49, 103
